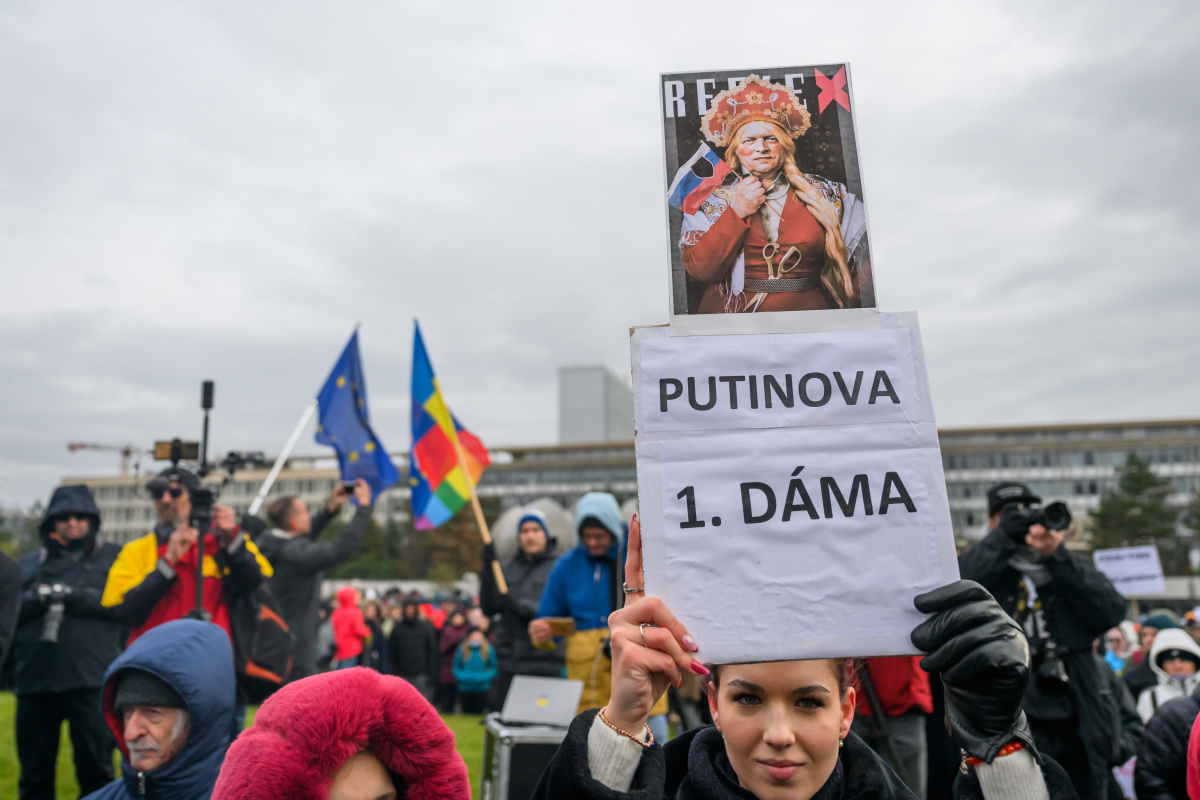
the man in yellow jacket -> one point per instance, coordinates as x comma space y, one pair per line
153, 579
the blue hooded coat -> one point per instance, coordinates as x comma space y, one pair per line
581, 585
195, 658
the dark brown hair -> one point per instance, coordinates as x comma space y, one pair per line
280, 511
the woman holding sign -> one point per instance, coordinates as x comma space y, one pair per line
782, 729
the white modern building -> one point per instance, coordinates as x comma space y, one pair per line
593, 406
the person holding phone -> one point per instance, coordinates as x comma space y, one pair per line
299, 560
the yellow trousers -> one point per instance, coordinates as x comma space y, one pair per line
586, 662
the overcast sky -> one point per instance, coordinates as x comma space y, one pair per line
222, 190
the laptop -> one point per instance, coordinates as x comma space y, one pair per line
541, 701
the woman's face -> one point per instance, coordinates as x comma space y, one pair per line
759, 149
782, 722
363, 777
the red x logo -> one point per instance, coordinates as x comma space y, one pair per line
832, 89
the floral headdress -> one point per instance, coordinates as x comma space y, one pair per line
754, 99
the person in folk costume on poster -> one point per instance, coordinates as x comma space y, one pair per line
770, 237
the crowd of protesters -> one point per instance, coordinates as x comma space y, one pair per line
135, 648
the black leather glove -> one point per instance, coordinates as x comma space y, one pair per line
983, 659
489, 553
1014, 524
32, 604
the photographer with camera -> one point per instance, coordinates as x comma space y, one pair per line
298, 559
154, 578
64, 641
1079, 714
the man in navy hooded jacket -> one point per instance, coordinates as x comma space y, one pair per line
169, 700
64, 641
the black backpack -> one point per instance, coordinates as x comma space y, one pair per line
263, 644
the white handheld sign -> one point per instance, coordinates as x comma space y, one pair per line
791, 489
1134, 571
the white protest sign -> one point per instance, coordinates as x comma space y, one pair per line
1134, 571
796, 527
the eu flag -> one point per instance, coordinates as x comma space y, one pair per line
343, 424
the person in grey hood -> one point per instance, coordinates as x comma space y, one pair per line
526, 574
64, 641
169, 701
292, 548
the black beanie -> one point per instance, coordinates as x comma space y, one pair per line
140, 688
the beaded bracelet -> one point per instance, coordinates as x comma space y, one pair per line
627, 734
1007, 750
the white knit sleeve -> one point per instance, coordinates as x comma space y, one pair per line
613, 758
1012, 777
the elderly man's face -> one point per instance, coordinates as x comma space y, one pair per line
759, 149
154, 735
174, 505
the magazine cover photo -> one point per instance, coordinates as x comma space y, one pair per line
764, 192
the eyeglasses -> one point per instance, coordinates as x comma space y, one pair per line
175, 491
70, 515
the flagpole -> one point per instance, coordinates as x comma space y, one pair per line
484, 533
309, 410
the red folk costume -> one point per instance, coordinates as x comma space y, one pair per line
772, 260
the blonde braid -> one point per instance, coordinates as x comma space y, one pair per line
835, 273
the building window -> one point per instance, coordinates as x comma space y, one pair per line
966, 490
1092, 489
970, 519
1089, 458
1004, 460
1079, 488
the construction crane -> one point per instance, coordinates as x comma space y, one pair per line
127, 451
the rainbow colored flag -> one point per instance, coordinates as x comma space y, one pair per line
439, 486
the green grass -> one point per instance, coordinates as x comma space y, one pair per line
468, 733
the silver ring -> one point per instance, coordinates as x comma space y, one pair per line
642, 627
634, 590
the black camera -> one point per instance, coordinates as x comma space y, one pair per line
202, 508
1017, 519
242, 459
55, 596
1050, 674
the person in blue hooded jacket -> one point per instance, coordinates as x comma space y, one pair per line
585, 585
169, 701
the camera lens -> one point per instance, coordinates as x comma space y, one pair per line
1058, 517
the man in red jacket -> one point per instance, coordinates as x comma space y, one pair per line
904, 696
